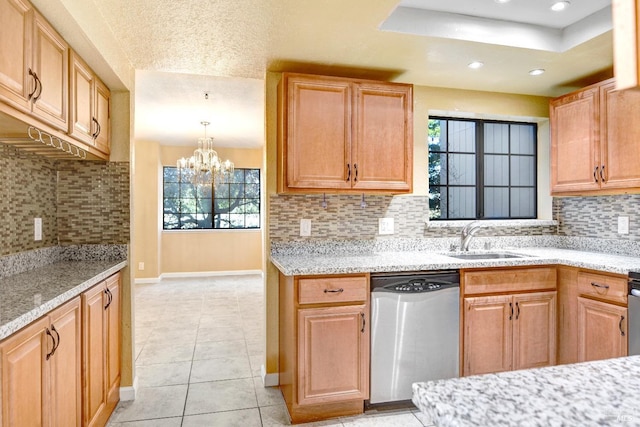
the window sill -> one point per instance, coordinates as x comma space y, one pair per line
494, 223
209, 230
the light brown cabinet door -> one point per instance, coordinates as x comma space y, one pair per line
16, 19
333, 354
25, 383
94, 353
113, 335
567, 315
575, 145
487, 334
102, 114
317, 132
82, 88
534, 330
383, 138
65, 366
51, 64
619, 137
601, 330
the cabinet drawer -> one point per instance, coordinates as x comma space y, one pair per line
608, 288
509, 280
329, 290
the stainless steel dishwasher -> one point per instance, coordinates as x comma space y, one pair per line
414, 331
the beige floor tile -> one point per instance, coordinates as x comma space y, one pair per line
163, 374
267, 396
403, 419
162, 422
219, 396
226, 368
241, 418
152, 403
165, 353
219, 333
216, 349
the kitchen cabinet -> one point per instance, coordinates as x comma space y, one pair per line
513, 331
567, 315
593, 145
344, 135
34, 65
89, 106
101, 314
626, 43
324, 345
41, 376
602, 316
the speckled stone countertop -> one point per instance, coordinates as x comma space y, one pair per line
601, 393
26, 296
342, 263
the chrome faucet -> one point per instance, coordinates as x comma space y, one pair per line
467, 233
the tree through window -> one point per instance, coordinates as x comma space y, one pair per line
233, 204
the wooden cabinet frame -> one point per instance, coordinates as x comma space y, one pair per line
344, 135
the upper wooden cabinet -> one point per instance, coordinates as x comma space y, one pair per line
344, 135
89, 106
34, 69
626, 43
44, 84
593, 141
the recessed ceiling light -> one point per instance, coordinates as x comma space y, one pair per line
560, 5
536, 72
475, 65
502, 1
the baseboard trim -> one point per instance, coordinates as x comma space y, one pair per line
209, 273
188, 274
269, 380
129, 393
149, 280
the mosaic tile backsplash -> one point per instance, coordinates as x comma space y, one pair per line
344, 218
80, 202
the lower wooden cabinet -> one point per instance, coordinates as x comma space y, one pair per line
41, 379
567, 315
101, 351
324, 345
602, 330
507, 332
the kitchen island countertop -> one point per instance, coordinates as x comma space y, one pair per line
371, 262
26, 296
602, 393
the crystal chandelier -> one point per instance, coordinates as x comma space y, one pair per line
205, 167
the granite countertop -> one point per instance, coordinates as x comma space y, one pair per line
26, 296
602, 393
370, 262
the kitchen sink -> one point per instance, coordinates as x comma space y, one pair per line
487, 255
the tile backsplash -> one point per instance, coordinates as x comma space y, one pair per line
597, 216
79, 202
344, 218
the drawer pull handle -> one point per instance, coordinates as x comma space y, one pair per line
334, 291
598, 285
620, 325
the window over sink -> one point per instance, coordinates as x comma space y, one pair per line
234, 204
482, 169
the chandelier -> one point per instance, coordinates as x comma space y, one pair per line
205, 167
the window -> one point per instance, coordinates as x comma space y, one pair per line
481, 169
234, 204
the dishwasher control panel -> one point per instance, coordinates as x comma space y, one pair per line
416, 286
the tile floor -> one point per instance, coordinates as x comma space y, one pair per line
199, 349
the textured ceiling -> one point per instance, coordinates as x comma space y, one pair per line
243, 39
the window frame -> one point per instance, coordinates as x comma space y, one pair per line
479, 165
212, 207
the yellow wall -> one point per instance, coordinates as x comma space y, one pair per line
427, 100
186, 251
